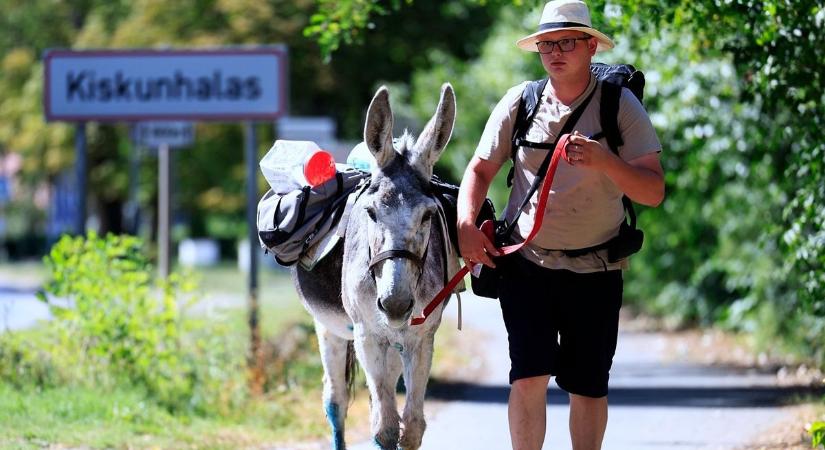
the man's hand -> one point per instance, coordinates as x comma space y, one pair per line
474, 245
588, 153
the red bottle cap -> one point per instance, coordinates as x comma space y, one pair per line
319, 167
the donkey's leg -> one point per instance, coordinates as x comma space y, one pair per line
417, 361
334, 358
383, 367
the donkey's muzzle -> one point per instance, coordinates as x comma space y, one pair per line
396, 309
396, 306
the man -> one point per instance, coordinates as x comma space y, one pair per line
561, 312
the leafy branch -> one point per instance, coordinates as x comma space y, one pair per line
338, 21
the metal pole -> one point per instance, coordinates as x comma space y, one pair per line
164, 210
256, 366
133, 205
80, 176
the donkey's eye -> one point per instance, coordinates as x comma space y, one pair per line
426, 217
371, 213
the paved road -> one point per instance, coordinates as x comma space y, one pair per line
655, 403
19, 308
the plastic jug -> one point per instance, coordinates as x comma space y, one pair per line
290, 165
361, 158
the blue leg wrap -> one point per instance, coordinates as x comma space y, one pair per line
337, 430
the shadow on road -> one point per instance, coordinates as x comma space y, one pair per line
10, 290
697, 397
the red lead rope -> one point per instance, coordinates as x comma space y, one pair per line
487, 228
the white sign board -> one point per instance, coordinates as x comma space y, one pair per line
131, 85
173, 134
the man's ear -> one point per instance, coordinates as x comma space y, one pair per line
592, 45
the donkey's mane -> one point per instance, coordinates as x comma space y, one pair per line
404, 144
400, 171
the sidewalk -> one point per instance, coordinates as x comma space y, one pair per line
656, 402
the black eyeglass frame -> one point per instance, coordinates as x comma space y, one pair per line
566, 41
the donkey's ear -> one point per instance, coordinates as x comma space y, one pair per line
437, 133
378, 129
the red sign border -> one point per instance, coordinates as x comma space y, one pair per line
277, 50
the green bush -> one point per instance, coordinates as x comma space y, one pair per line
817, 432
114, 325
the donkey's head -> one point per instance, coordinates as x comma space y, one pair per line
399, 207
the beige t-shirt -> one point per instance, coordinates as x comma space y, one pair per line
584, 208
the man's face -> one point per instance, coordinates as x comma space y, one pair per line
574, 63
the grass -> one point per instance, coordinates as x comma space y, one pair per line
122, 418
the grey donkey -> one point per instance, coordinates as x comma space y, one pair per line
391, 264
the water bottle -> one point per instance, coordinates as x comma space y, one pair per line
361, 158
290, 165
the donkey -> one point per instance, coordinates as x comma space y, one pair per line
391, 264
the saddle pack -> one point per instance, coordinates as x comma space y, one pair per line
289, 224
303, 225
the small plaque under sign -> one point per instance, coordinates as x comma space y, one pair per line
173, 134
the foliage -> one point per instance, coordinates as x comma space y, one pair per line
817, 432
336, 21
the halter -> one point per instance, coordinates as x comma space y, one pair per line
400, 253
396, 253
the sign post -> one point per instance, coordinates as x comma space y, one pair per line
164, 209
80, 176
164, 136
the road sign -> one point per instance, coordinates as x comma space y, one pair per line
173, 134
130, 85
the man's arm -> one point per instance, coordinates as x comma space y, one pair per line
474, 245
642, 179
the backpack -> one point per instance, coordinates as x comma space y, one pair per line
613, 79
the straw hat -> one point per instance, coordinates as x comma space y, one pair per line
561, 15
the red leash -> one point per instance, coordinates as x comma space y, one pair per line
487, 227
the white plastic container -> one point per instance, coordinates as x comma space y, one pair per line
361, 158
291, 165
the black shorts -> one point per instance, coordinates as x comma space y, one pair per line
561, 323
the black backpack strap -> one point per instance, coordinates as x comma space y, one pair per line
527, 109
609, 116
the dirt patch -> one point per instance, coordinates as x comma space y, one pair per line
718, 348
790, 434
713, 347
459, 354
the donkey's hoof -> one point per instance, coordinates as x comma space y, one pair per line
386, 440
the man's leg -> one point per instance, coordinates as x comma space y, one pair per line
588, 420
527, 412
